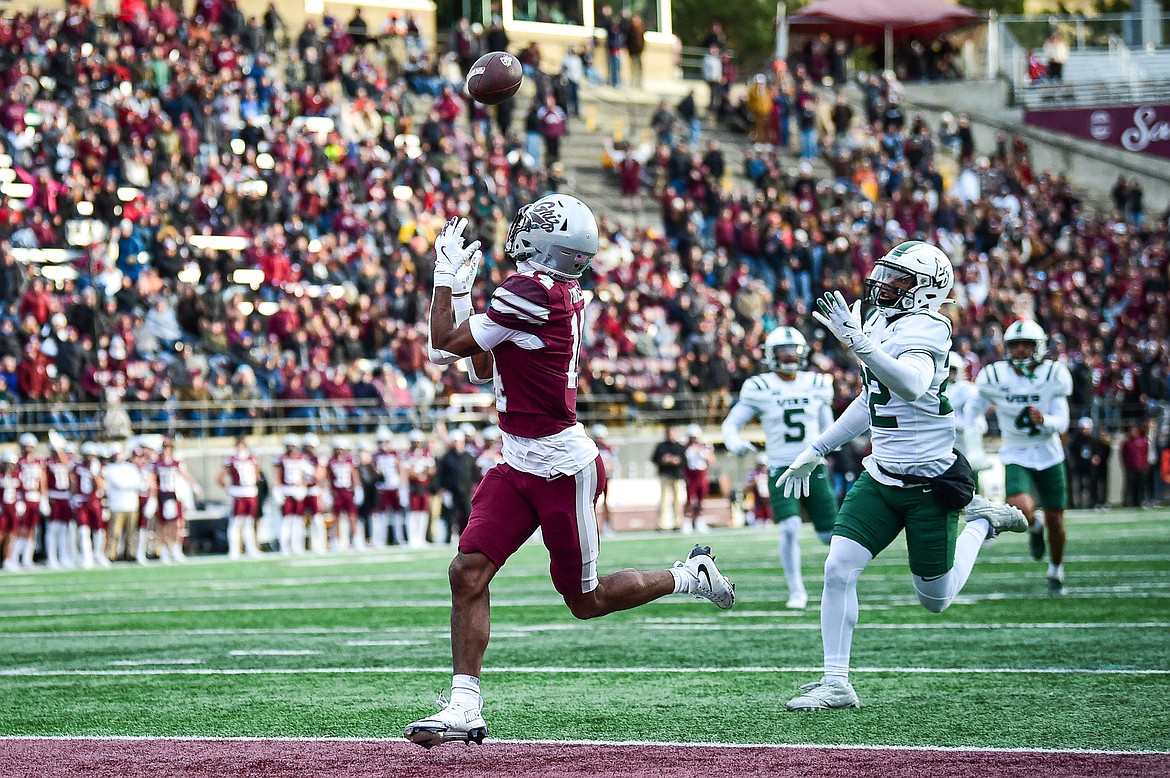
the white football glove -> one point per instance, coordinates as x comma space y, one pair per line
844, 322
795, 480
456, 264
739, 447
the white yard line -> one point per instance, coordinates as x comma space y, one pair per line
275, 652
534, 629
363, 643
590, 743
86, 672
148, 662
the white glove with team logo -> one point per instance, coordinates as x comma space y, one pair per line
455, 264
795, 480
844, 322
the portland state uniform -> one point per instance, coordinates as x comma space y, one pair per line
914, 439
792, 413
1032, 454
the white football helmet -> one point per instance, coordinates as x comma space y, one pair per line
558, 233
416, 436
292, 441
340, 444
310, 440
382, 435
28, 440
785, 350
8, 457
914, 276
1030, 331
694, 431
89, 449
598, 431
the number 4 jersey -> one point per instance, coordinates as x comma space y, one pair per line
1046, 388
793, 413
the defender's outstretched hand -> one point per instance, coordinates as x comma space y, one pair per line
795, 480
843, 321
455, 264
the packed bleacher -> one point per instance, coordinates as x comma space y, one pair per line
208, 222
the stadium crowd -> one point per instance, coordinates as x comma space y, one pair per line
247, 217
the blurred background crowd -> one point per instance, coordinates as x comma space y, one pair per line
210, 223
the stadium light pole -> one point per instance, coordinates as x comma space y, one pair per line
781, 51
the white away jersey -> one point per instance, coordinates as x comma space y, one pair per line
1047, 388
970, 424
910, 437
793, 413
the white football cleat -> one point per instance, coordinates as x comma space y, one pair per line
710, 584
454, 723
797, 602
825, 695
1001, 516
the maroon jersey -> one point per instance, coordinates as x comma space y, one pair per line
10, 486
295, 475
536, 378
85, 481
244, 472
60, 479
168, 474
341, 472
31, 473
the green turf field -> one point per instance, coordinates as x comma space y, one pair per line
357, 646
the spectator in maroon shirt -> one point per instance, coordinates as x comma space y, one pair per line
32, 374
1135, 458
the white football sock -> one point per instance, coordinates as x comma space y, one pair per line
99, 548
379, 523
286, 534
937, 593
251, 548
847, 558
51, 543
15, 548
398, 527
684, 582
30, 547
85, 539
177, 551
235, 537
317, 538
1056, 571
343, 533
140, 552
359, 535
790, 554
465, 691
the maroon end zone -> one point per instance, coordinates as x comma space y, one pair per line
131, 758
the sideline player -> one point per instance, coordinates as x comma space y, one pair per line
344, 479
697, 461
529, 341
794, 406
11, 507
611, 464
970, 423
88, 488
59, 547
420, 469
292, 479
241, 478
168, 470
1030, 395
390, 517
913, 480
34, 484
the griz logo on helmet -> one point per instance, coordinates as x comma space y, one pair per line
542, 216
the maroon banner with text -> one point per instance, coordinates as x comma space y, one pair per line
1137, 128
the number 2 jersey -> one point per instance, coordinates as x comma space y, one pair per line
533, 327
792, 413
1045, 388
916, 437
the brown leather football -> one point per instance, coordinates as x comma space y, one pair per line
494, 77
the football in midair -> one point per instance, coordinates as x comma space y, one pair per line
494, 78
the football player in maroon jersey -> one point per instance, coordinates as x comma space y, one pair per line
34, 484
88, 490
344, 479
58, 545
292, 479
168, 471
528, 343
11, 506
240, 476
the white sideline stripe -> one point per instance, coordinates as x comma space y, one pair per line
876, 602
164, 662
387, 642
598, 743
275, 652
87, 672
534, 629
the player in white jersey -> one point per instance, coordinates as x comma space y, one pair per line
794, 407
913, 480
1030, 395
970, 424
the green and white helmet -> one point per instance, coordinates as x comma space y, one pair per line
1031, 332
785, 350
914, 276
956, 363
